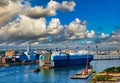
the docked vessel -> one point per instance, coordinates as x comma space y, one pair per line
49, 60
36, 70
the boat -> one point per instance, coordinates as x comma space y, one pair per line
71, 60
36, 70
82, 75
63, 59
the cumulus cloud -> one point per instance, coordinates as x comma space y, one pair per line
31, 25
39, 11
8, 9
76, 29
4, 2
54, 27
50, 10
67, 6
103, 35
23, 29
115, 36
90, 34
27, 30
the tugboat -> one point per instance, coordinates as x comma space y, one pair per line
36, 70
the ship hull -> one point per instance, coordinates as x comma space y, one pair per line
74, 60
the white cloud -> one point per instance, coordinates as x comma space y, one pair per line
4, 2
50, 10
76, 28
39, 11
114, 37
8, 10
103, 35
24, 29
90, 34
54, 27
27, 29
67, 6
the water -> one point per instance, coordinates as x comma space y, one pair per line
24, 74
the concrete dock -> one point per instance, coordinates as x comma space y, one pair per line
80, 76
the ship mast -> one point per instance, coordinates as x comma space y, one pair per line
86, 70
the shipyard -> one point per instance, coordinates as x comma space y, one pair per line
51, 56
55, 59
59, 41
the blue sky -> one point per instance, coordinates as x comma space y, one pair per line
97, 13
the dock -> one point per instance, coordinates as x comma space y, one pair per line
76, 76
80, 75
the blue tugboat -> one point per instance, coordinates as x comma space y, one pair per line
36, 70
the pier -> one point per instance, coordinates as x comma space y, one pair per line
82, 74
106, 57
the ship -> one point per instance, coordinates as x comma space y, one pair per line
54, 60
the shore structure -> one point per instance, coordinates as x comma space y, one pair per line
18, 57
55, 57
108, 75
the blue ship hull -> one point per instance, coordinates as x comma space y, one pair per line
73, 60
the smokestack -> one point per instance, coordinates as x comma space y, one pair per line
28, 48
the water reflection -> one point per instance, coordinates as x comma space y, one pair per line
47, 75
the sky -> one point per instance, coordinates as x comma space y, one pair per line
51, 21
97, 13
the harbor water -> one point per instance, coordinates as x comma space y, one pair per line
25, 74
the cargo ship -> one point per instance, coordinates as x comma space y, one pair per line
50, 60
